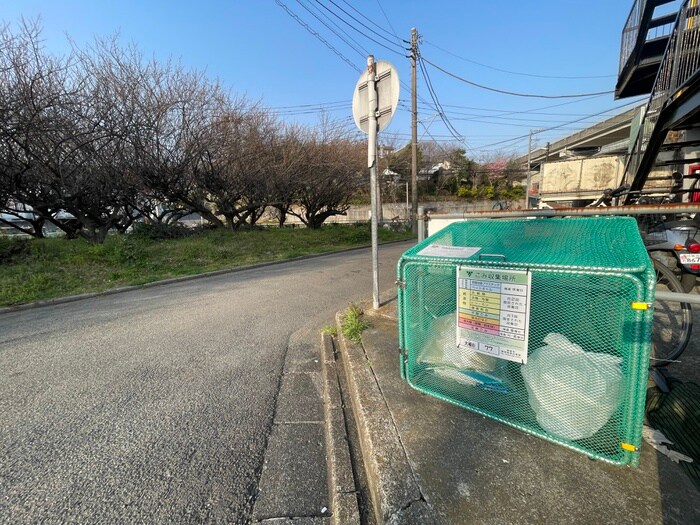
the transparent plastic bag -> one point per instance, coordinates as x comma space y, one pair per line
441, 350
573, 392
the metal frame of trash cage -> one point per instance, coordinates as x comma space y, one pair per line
649, 209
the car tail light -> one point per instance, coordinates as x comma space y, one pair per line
695, 267
693, 246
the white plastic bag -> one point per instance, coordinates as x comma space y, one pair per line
441, 349
573, 392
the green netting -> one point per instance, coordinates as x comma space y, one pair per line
586, 390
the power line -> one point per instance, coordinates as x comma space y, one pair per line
361, 51
403, 107
513, 125
515, 72
363, 25
358, 30
324, 104
513, 93
486, 149
455, 115
435, 141
393, 31
501, 115
314, 33
433, 95
554, 127
307, 111
534, 110
373, 22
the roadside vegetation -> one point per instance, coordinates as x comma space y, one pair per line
352, 323
38, 269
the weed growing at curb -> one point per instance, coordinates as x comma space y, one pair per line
352, 324
330, 329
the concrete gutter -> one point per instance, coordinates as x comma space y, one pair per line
395, 492
341, 482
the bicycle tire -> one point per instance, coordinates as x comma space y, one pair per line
688, 281
673, 321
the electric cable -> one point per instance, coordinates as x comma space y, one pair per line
533, 110
361, 51
325, 104
373, 22
515, 72
455, 115
439, 145
513, 93
319, 37
433, 95
501, 115
401, 53
359, 22
446, 122
552, 128
388, 21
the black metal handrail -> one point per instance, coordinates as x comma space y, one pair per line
641, 27
630, 32
680, 63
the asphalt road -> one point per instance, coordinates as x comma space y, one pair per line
155, 405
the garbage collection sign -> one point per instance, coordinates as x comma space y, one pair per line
493, 313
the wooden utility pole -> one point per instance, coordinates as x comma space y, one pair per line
529, 162
414, 132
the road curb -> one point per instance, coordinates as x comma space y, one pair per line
173, 280
341, 482
395, 493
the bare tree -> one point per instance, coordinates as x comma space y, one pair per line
61, 138
290, 160
235, 163
34, 92
336, 165
168, 114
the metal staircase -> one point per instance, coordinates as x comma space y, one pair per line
674, 103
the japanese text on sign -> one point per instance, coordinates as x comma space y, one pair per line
493, 311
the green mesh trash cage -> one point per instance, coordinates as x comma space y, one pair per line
541, 324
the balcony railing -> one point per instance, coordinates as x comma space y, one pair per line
631, 32
681, 62
643, 17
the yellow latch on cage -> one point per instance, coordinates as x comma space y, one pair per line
640, 306
629, 447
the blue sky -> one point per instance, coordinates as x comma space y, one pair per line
257, 49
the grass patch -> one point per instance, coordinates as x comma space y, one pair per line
330, 329
352, 324
39, 269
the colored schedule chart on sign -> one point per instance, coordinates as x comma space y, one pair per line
494, 311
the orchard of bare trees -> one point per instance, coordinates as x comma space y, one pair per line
102, 137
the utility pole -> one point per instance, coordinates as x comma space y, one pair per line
529, 160
414, 132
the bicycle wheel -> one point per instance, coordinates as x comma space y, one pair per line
673, 321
